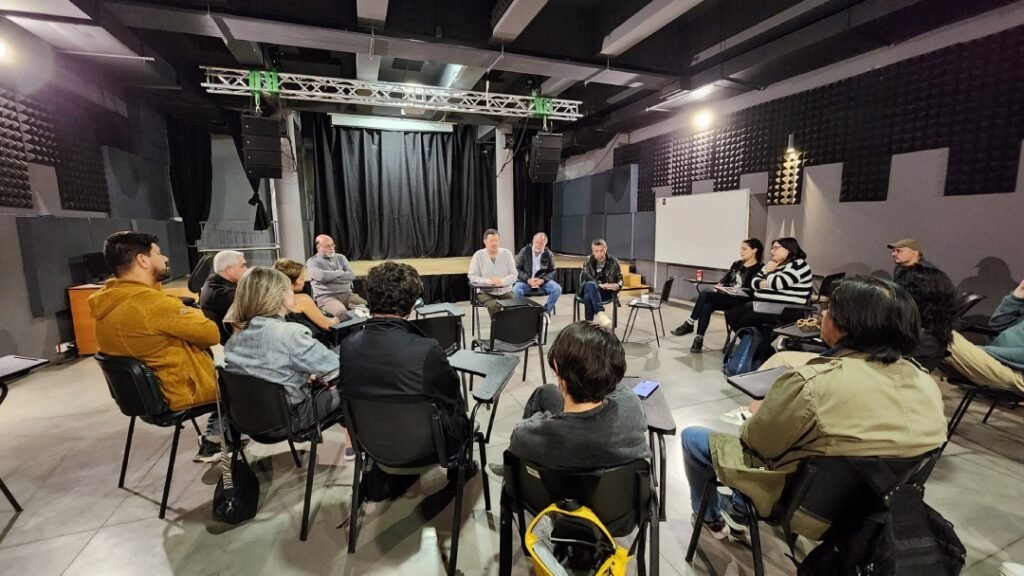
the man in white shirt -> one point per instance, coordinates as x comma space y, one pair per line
493, 272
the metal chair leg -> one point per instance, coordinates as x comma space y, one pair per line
196, 426
755, 539
705, 500
654, 322
127, 450
989, 413
309, 490
662, 318
357, 504
482, 448
543, 371
526, 362
457, 516
641, 561
505, 536
295, 454
958, 414
170, 468
10, 497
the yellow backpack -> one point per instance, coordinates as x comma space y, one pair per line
567, 539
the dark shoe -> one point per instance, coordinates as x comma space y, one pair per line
698, 345
718, 529
496, 472
209, 452
683, 329
736, 519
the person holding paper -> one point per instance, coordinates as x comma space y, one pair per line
731, 291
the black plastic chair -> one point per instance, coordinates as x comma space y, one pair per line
828, 286
517, 329
835, 490
968, 300
136, 390
475, 305
970, 389
199, 274
405, 437
260, 410
624, 498
447, 330
652, 304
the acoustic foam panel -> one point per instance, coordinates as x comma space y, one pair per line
965, 97
171, 235
557, 199
573, 233
621, 196
619, 235
593, 229
643, 236
557, 236
576, 200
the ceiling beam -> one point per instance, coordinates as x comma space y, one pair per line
286, 34
648, 20
245, 53
372, 12
554, 86
516, 18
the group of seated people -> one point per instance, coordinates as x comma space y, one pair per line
864, 396
496, 275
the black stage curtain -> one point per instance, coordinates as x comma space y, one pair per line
191, 171
384, 194
532, 200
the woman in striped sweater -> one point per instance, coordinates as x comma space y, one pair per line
785, 279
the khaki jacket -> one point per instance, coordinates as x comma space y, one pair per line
833, 406
135, 320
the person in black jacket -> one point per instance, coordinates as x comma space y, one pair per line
536, 267
602, 278
218, 291
725, 295
391, 358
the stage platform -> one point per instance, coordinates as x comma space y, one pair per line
444, 279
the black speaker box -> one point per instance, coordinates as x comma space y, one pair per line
261, 146
545, 153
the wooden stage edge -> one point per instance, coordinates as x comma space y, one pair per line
454, 265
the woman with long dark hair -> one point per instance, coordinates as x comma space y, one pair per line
732, 290
785, 279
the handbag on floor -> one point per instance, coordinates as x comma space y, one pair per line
237, 495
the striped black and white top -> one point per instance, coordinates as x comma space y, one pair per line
790, 283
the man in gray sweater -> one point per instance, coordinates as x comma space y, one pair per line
493, 272
331, 277
1001, 363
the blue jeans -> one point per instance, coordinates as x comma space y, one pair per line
593, 299
698, 466
551, 288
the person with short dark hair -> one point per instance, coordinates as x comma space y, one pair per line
135, 318
725, 295
785, 279
218, 291
493, 271
602, 278
536, 266
860, 398
589, 420
391, 358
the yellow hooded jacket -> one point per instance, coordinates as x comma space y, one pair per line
146, 323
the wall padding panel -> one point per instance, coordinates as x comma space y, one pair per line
966, 97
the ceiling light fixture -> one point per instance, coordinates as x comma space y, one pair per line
3, 50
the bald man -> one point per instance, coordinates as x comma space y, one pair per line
331, 277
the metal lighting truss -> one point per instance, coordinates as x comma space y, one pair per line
346, 91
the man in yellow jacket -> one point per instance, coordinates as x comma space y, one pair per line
861, 398
135, 318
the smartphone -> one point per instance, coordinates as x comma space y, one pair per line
645, 388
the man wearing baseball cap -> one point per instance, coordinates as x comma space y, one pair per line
906, 253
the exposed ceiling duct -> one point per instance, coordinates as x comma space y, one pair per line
516, 17
648, 20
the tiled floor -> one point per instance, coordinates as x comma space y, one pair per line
61, 440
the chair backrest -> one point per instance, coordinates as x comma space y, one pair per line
837, 489
396, 433
666, 288
829, 284
444, 329
199, 274
254, 406
133, 386
968, 300
619, 496
519, 325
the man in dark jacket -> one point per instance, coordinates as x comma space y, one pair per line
602, 278
536, 267
218, 292
390, 358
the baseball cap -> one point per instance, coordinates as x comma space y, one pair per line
905, 243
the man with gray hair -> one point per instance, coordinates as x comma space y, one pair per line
331, 276
602, 278
536, 266
218, 291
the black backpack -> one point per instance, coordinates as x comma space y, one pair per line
746, 351
904, 537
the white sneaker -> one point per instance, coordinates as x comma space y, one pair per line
360, 312
603, 321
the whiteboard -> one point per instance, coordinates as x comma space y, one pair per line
701, 229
